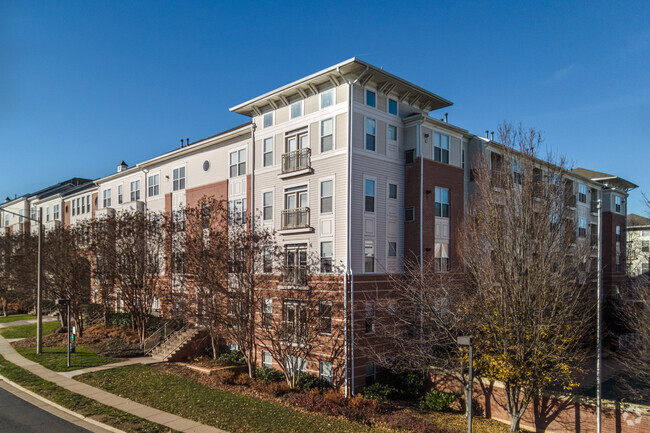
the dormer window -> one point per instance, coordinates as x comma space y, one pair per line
268, 120
327, 99
296, 109
371, 98
392, 106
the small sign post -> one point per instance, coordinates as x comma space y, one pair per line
467, 341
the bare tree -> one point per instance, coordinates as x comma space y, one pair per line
419, 321
104, 258
528, 271
66, 271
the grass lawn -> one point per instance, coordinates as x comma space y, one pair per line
215, 407
26, 331
56, 358
80, 404
16, 317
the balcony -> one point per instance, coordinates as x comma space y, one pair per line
594, 206
294, 275
296, 162
295, 220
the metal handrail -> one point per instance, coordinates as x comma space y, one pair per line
159, 337
295, 218
296, 160
168, 346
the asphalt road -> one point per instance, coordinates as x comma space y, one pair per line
19, 416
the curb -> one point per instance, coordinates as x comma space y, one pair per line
61, 408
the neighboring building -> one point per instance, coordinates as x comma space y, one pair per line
638, 246
348, 165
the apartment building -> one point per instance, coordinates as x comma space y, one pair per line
351, 164
638, 246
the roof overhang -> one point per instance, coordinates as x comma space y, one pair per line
347, 71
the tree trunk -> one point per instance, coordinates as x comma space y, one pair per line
4, 307
514, 422
213, 340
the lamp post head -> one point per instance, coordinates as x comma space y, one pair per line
464, 340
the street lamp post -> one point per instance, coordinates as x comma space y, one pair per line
599, 331
39, 293
467, 341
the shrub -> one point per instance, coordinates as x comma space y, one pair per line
438, 401
333, 403
379, 392
307, 382
120, 319
268, 374
409, 384
232, 358
225, 377
242, 379
276, 389
407, 421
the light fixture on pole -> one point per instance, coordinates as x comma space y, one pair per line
467, 341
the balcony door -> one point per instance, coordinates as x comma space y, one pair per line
296, 264
297, 142
295, 198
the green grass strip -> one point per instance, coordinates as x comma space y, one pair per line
16, 317
26, 331
56, 358
78, 403
215, 407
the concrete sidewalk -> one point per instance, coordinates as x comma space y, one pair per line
164, 418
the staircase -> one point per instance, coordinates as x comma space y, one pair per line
177, 345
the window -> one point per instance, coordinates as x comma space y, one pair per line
178, 262
268, 120
392, 249
462, 158
296, 264
78, 206
326, 372
267, 260
371, 98
267, 359
179, 178
326, 193
392, 191
392, 106
327, 99
47, 214
370, 134
83, 207
178, 221
267, 312
237, 211
106, 202
267, 205
6, 220
268, 152
33, 213
135, 190
205, 217
618, 232
618, 204
326, 252
296, 109
370, 317
154, 185
55, 213
325, 314
516, 172
296, 140
442, 256
370, 195
409, 156
645, 268
120, 195
582, 193
441, 148
238, 163
645, 246
582, 228
645, 233
409, 214
392, 132
371, 373
326, 135
369, 256
442, 202
295, 365
88, 203
21, 213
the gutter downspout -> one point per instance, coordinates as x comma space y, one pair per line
419, 146
349, 252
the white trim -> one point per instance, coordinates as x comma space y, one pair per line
374, 179
320, 181
320, 96
152, 174
272, 220
320, 135
365, 125
388, 97
300, 101
237, 149
365, 96
272, 138
272, 113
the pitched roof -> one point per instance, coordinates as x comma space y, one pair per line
604, 178
637, 220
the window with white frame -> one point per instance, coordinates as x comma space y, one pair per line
120, 194
88, 203
238, 163
268, 120
268, 152
47, 214
238, 211
618, 203
441, 256
267, 260
326, 373
392, 106
179, 178
295, 365
296, 140
6, 220
106, 202
370, 317
516, 172
371, 98
369, 256
582, 227
645, 246
392, 191
327, 135
296, 109
21, 213
371, 131
267, 312
325, 316
392, 132
326, 196
618, 233
582, 193
153, 185
442, 202
326, 253
34, 213
267, 205
135, 190
56, 209
267, 359
392, 249
327, 98
369, 193
441, 147
409, 214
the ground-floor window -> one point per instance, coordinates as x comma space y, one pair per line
326, 372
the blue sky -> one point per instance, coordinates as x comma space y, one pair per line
84, 85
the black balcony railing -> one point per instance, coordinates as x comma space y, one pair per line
295, 275
296, 160
295, 218
594, 206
